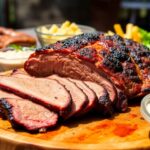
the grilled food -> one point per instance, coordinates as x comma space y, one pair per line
121, 66
61, 76
25, 114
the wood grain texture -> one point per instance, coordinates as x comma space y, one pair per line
124, 131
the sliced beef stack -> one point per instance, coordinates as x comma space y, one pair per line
24, 113
35, 103
40, 90
79, 99
121, 66
103, 103
91, 95
85, 95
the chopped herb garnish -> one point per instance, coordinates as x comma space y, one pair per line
18, 48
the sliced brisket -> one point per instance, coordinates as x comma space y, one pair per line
103, 104
25, 113
44, 91
92, 98
6, 95
79, 99
31, 116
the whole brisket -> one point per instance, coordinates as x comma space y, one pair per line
111, 61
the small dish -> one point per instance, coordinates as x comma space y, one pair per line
46, 38
12, 59
145, 107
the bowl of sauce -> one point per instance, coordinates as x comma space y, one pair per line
12, 58
145, 107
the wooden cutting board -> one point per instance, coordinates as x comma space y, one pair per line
123, 131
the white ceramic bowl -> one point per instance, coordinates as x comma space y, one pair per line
145, 107
16, 61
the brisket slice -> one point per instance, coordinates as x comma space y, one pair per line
25, 113
42, 91
103, 104
92, 98
79, 99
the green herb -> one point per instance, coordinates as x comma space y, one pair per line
145, 36
18, 48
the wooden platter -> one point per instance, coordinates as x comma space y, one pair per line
123, 131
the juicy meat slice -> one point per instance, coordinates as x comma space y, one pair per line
44, 91
24, 113
103, 104
89, 92
79, 99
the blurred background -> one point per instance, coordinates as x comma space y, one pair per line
101, 14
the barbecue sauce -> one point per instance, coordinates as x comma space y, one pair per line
123, 130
